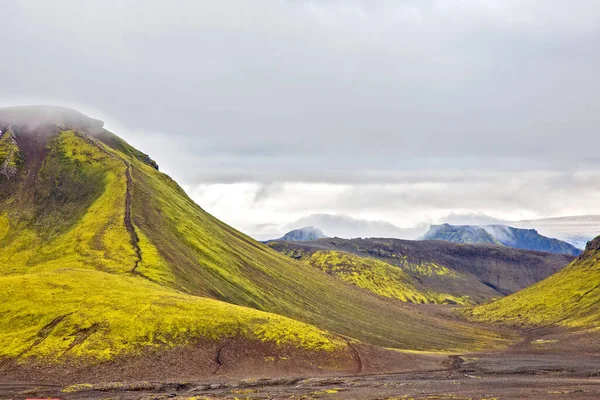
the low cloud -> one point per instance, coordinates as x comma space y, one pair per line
381, 110
348, 227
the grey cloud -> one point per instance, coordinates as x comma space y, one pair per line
576, 230
454, 218
341, 82
489, 105
348, 227
545, 193
266, 191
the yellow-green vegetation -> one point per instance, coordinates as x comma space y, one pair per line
101, 255
78, 387
427, 268
326, 391
380, 277
4, 226
243, 391
541, 342
99, 315
569, 298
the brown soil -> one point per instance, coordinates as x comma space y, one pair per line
32, 142
499, 376
545, 365
229, 358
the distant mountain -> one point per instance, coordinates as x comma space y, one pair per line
303, 234
576, 230
459, 234
527, 239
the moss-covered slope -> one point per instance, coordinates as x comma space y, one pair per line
383, 278
568, 298
90, 227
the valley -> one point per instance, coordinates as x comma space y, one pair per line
116, 284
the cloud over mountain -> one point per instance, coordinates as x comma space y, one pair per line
425, 107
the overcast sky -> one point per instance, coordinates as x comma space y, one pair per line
270, 111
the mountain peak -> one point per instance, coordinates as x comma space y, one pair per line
459, 234
40, 115
528, 239
303, 234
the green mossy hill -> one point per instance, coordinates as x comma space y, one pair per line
381, 278
569, 298
89, 206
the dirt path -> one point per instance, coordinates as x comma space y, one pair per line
135, 240
355, 354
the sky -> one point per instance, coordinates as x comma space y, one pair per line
355, 114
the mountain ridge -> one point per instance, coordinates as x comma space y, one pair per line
528, 239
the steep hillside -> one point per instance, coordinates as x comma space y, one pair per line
568, 298
426, 271
95, 242
528, 239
